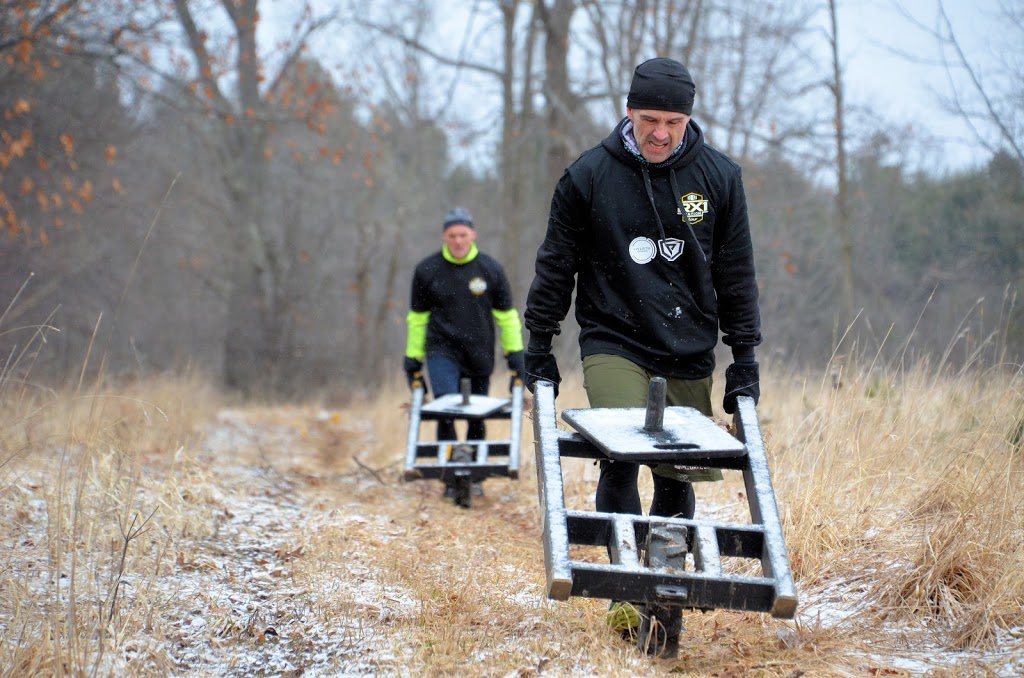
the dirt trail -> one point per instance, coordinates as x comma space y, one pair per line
307, 555
293, 576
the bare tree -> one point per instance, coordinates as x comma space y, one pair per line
993, 102
749, 62
846, 247
563, 103
518, 118
526, 134
621, 35
244, 122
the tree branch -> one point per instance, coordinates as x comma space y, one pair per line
46, 21
992, 115
423, 49
204, 62
300, 45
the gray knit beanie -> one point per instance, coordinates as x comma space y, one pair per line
458, 215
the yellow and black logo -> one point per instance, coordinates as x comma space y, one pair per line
695, 206
477, 285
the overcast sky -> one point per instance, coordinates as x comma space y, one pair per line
873, 38
890, 66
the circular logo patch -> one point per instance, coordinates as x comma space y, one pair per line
478, 286
642, 250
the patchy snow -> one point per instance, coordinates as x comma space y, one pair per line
245, 612
842, 603
235, 604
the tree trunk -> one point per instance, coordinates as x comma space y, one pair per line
513, 138
249, 355
846, 251
563, 104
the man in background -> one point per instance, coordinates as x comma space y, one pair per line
459, 295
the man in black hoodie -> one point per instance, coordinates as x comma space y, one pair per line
651, 224
458, 296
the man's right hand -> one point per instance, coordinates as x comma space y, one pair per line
541, 365
414, 373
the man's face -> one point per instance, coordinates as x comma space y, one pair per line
657, 132
458, 238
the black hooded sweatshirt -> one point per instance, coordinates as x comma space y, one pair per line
661, 256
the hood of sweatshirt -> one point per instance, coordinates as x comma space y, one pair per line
693, 142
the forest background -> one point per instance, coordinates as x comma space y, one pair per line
183, 186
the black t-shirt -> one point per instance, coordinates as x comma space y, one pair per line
460, 299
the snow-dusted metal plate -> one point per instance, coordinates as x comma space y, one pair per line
686, 433
479, 406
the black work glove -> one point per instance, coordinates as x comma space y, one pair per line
741, 379
414, 373
540, 363
517, 365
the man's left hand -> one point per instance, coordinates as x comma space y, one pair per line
741, 379
414, 373
517, 365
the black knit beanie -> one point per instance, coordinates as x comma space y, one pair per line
662, 85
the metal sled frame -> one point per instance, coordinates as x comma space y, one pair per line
626, 578
490, 458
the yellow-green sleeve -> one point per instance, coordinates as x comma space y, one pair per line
511, 329
416, 336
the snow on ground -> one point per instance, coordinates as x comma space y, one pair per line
843, 602
292, 637
235, 606
243, 588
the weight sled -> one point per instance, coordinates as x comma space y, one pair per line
463, 462
649, 564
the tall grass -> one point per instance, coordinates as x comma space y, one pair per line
901, 486
915, 477
90, 478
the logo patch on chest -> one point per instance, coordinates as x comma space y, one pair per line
671, 248
642, 250
477, 285
695, 206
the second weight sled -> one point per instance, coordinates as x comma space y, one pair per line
463, 462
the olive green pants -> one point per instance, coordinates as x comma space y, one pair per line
614, 381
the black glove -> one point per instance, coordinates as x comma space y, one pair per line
516, 364
414, 373
741, 379
541, 365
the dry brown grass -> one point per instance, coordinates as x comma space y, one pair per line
916, 480
89, 485
154, 530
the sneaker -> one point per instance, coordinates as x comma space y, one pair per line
461, 453
477, 489
623, 618
449, 492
